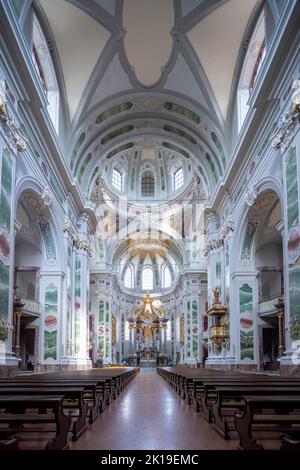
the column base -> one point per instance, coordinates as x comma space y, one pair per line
290, 364
9, 364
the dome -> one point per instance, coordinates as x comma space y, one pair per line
149, 173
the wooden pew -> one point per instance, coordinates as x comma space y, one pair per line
69, 393
91, 395
290, 441
279, 412
231, 399
9, 441
19, 404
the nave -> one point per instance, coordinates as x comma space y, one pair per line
148, 415
167, 408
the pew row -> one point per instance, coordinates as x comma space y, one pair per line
84, 395
220, 396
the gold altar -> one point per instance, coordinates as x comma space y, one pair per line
147, 325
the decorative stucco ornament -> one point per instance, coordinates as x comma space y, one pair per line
216, 243
251, 195
46, 197
67, 226
13, 136
287, 124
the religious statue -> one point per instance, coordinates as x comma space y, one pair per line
216, 292
147, 333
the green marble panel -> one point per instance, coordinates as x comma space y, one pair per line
292, 188
294, 295
246, 323
50, 345
4, 293
195, 327
188, 326
51, 309
51, 299
6, 186
77, 303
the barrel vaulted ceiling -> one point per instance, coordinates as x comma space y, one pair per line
135, 69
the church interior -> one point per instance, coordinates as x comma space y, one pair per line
149, 224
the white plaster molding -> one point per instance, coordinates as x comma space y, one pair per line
287, 124
12, 134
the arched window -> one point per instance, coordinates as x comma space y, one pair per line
147, 185
147, 279
117, 179
128, 278
43, 63
178, 178
166, 277
252, 64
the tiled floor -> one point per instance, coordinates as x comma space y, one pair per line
148, 415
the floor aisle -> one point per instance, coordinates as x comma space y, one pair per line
148, 415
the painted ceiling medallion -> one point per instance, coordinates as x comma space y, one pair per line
148, 41
31, 199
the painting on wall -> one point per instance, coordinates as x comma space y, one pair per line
292, 188
294, 244
188, 331
50, 322
5, 195
50, 345
77, 303
5, 226
195, 327
246, 323
4, 297
101, 329
294, 294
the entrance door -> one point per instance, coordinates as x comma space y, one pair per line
270, 343
27, 352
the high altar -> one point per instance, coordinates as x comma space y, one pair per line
147, 326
